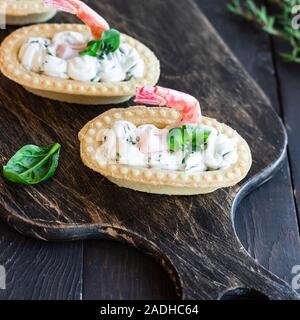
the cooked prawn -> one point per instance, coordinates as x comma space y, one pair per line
182, 102
92, 19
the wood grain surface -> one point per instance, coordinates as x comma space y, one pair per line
115, 271
266, 220
288, 83
40, 271
192, 237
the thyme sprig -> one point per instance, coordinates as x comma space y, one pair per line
278, 23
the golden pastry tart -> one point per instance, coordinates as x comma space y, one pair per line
153, 180
21, 12
69, 90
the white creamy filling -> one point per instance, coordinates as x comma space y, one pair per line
124, 143
55, 67
82, 68
33, 54
60, 57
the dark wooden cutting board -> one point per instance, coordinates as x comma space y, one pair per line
192, 237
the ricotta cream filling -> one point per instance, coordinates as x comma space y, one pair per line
124, 143
59, 57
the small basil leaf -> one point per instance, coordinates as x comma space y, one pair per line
175, 139
187, 138
32, 164
109, 42
200, 137
187, 132
92, 50
92, 42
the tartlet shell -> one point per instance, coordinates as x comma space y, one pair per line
71, 90
26, 12
161, 181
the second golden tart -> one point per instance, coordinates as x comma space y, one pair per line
68, 90
25, 12
113, 144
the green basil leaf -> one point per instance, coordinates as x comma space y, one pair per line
175, 139
92, 42
32, 164
109, 42
92, 50
87, 53
187, 138
187, 131
200, 137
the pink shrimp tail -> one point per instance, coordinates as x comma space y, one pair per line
187, 105
92, 19
148, 95
61, 5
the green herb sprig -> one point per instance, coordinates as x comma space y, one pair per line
187, 138
32, 164
278, 24
109, 42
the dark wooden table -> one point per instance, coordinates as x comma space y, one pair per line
267, 221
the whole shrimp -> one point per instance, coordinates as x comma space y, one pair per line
186, 104
92, 19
